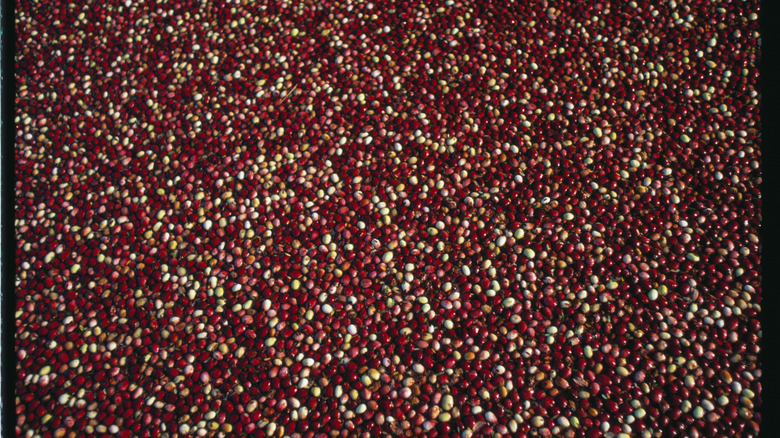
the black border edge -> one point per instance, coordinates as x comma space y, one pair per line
768, 235
7, 236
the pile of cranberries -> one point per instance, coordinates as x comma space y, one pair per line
372, 217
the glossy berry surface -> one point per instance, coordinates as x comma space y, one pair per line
370, 218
